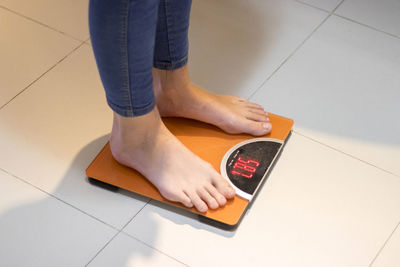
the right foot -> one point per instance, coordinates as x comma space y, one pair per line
178, 97
145, 144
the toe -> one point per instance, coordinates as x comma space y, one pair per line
254, 106
206, 197
257, 116
223, 186
198, 202
257, 128
257, 111
216, 195
177, 196
240, 99
185, 200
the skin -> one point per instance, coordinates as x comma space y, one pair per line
145, 144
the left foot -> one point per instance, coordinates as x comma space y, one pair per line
177, 97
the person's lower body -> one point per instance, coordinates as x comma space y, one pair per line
141, 49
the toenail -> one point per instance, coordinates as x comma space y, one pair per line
231, 192
267, 126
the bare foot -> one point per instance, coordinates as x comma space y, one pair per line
145, 144
177, 97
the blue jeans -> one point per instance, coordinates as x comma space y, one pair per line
129, 38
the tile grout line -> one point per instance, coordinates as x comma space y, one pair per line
384, 245
347, 154
367, 26
95, 218
307, 4
138, 240
309, 36
40, 23
156, 249
297, 48
144, 243
57, 198
349, 19
41, 75
98, 252
363, 161
119, 231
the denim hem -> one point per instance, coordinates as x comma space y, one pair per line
173, 65
131, 112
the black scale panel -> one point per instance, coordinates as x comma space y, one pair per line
247, 165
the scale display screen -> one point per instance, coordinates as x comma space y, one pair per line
246, 164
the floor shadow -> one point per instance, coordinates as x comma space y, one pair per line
33, 227
169, 212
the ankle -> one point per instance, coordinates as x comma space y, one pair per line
133, 133
172, 79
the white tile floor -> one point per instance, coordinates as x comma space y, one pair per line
333, 199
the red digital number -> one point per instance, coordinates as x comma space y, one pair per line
256, 163
244, 166
243, 174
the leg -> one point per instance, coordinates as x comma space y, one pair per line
123, 34
176, 96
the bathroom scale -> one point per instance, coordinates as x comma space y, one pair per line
244, 160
